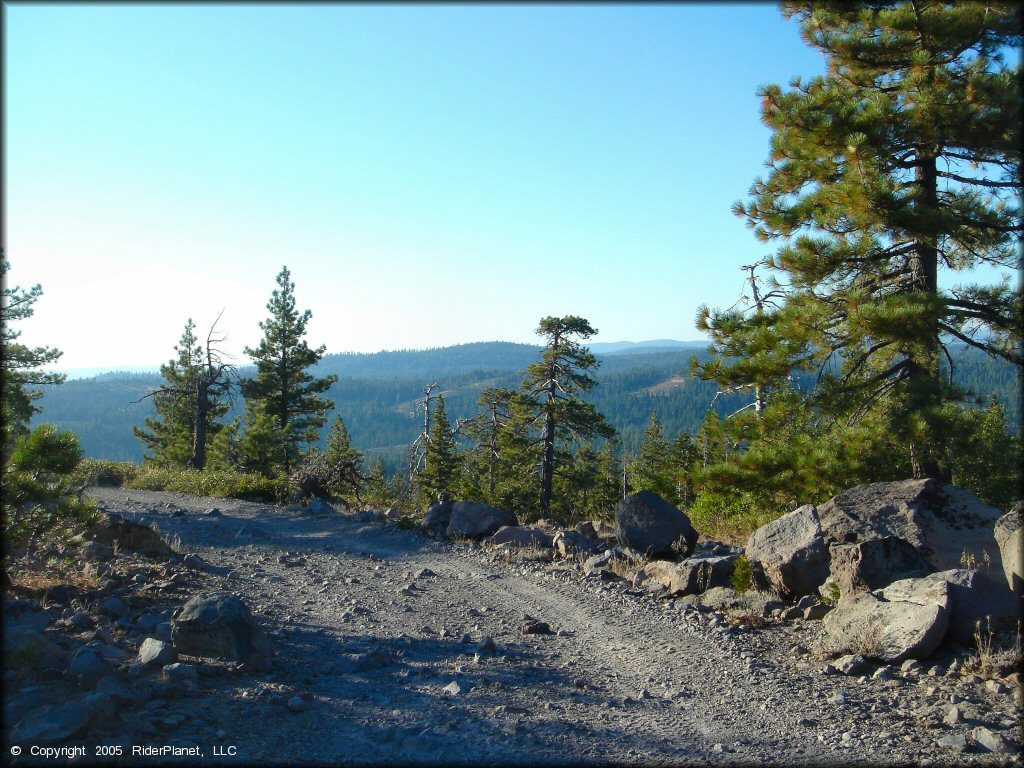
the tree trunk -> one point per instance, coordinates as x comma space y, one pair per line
925, 385
198, 460
547, 468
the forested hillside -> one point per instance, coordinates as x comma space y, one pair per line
378, 394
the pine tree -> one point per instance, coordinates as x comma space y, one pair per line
263, 445
553, 388
900, 163
651, 470
481, 461
683, 457
344, 460
282, 388
19, 364
188, 404
442, 462
608, 483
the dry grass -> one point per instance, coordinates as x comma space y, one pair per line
36, 577
512, 554
626, 567
996, 654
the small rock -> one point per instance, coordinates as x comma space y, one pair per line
910, 667
817, 612
953, 716
486, 645
181, 673
837, 699
954, 741
882, 673
995, 686
113, 606
535, 627
453, 688
213, 512
155, 652
296, 704
851, 665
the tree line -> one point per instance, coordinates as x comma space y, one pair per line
890, 177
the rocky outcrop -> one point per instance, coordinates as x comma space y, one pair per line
221, 625
521, 536
1009, 535
650, 525
789, 556
116, 530
907, 619
475, 520
947, 527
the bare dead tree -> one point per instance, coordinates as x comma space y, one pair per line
418, 449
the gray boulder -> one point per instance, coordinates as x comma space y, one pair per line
873, 564
475, 520
788, 555
95, 550
320, 507
649, 524
221, 625
693, 576
521, 536
438, 516
945, 525
570, 543
1009, 535
978, 596
155, 652
25, 646
92, 662
907, 619
127, 535
55, 723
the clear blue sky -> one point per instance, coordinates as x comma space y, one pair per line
430, 174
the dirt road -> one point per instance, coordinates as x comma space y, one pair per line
369, 625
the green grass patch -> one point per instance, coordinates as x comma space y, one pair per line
221, 484
110, 474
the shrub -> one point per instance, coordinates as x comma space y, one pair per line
40, 497
742, 576
221, 483
731, 518
109, 474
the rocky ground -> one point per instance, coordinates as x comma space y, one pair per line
381, 656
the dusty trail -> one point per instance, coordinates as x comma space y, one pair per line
622, 678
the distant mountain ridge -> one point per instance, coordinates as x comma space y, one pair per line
378, 394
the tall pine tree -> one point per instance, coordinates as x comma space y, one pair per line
900, 163
283, 389
554, 386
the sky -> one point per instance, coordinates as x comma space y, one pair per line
430, 175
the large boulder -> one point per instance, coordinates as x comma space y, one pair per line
907, 619
521, 536
948, 527
438, 516
475, 520
117, 531
978, 596
788, 555
693, 576
649, 524
569, 543
1009, 535
873, 564
221, 625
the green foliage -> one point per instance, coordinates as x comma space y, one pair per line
282, 389
742, 576
263, 448
652, 468
39, 495
731, 516
442, 464
170, 437
210, 482
901, 162
552, 392
110, 474
19, 364
986, 459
